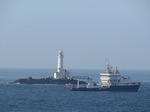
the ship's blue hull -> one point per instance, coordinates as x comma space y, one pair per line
129, 88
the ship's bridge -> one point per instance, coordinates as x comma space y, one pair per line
109, 78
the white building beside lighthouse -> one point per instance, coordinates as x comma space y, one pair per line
61, 72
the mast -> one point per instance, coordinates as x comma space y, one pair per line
108, 67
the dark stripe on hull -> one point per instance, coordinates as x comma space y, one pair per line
131, 88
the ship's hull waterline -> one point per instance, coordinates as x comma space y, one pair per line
131, 88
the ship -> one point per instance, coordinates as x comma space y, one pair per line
61, 77
110, 81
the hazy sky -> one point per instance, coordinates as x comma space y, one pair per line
88, 31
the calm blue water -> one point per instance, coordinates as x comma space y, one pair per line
56, 98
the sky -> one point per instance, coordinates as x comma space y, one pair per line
88, 32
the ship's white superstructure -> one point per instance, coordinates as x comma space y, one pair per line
61, 72
112, 77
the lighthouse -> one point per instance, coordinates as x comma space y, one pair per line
60, 61
61, 72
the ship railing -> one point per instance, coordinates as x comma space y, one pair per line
82, 77
129, 83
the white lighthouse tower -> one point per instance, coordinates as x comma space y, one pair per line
60, 61
61, 72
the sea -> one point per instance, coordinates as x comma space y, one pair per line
58, 98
